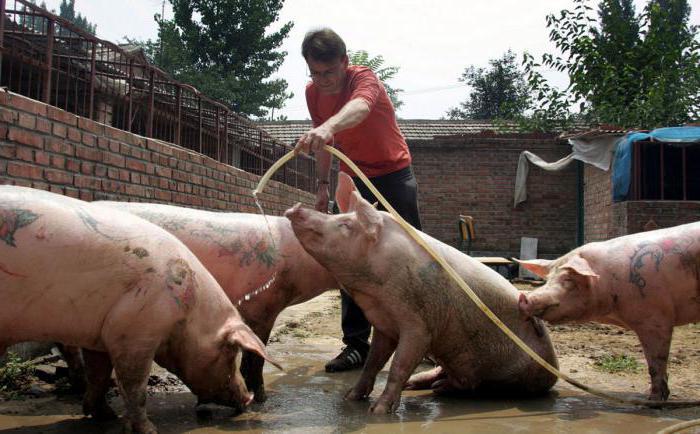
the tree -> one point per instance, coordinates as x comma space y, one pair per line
670, 53
361, 57
225, 52
623, 69
499, 92
67, 11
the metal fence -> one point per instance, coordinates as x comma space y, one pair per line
49, 59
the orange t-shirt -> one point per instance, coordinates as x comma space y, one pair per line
376, 144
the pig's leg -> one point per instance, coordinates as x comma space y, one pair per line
425, 380
380, 350
413, 344
98, 370
76, 366
252, 367
656, 342
132, 369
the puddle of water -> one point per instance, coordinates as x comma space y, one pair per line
305, 399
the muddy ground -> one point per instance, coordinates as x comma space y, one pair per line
581, 348
306, 335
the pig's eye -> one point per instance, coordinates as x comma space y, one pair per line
344, 225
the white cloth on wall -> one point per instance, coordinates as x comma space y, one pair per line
523, 169
597, 151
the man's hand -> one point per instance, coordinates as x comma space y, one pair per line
322, 198
314, 140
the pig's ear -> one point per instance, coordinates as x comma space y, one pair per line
540, 267
579, 265
369, 218
343, 191
353, 198
242, 336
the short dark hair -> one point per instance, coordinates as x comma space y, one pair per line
322, 45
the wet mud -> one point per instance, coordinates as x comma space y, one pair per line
305, 399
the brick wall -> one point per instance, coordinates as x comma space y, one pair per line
639, 216
600, 222
475, 175
605, 219
44, 147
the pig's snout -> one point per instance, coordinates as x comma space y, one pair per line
205, 409
535, 305
242, 397
294, 213
524, 305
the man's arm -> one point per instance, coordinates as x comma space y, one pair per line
352, 113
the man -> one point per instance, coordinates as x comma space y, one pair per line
350, 108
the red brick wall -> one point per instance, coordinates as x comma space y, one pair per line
47, 148
598, 215
656, 214
605, 219
475, 175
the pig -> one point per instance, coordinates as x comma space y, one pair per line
647, 282
417, 310
126, 291
256, 259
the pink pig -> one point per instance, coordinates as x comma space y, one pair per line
123, 289
262, 269
416, 309
647, 282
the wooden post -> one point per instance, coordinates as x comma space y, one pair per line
131, 95
92, 81
178, 102
49, 60
227, 151
199, 106
2, 32
218, 136
260, 143
151, 99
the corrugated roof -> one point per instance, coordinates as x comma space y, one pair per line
413, 129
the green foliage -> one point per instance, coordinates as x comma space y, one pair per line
499, 92
635, 71
617, 363
15, 376
376, 63
67, 11
222, 48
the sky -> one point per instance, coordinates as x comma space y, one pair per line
432, 42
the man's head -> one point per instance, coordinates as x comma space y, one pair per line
325, 54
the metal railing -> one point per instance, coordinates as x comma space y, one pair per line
49, 59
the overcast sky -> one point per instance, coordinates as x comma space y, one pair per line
431, 41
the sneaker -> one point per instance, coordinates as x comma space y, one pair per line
348, 359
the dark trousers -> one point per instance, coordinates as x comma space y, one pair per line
401, 191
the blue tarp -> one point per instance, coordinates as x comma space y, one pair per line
622, 165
